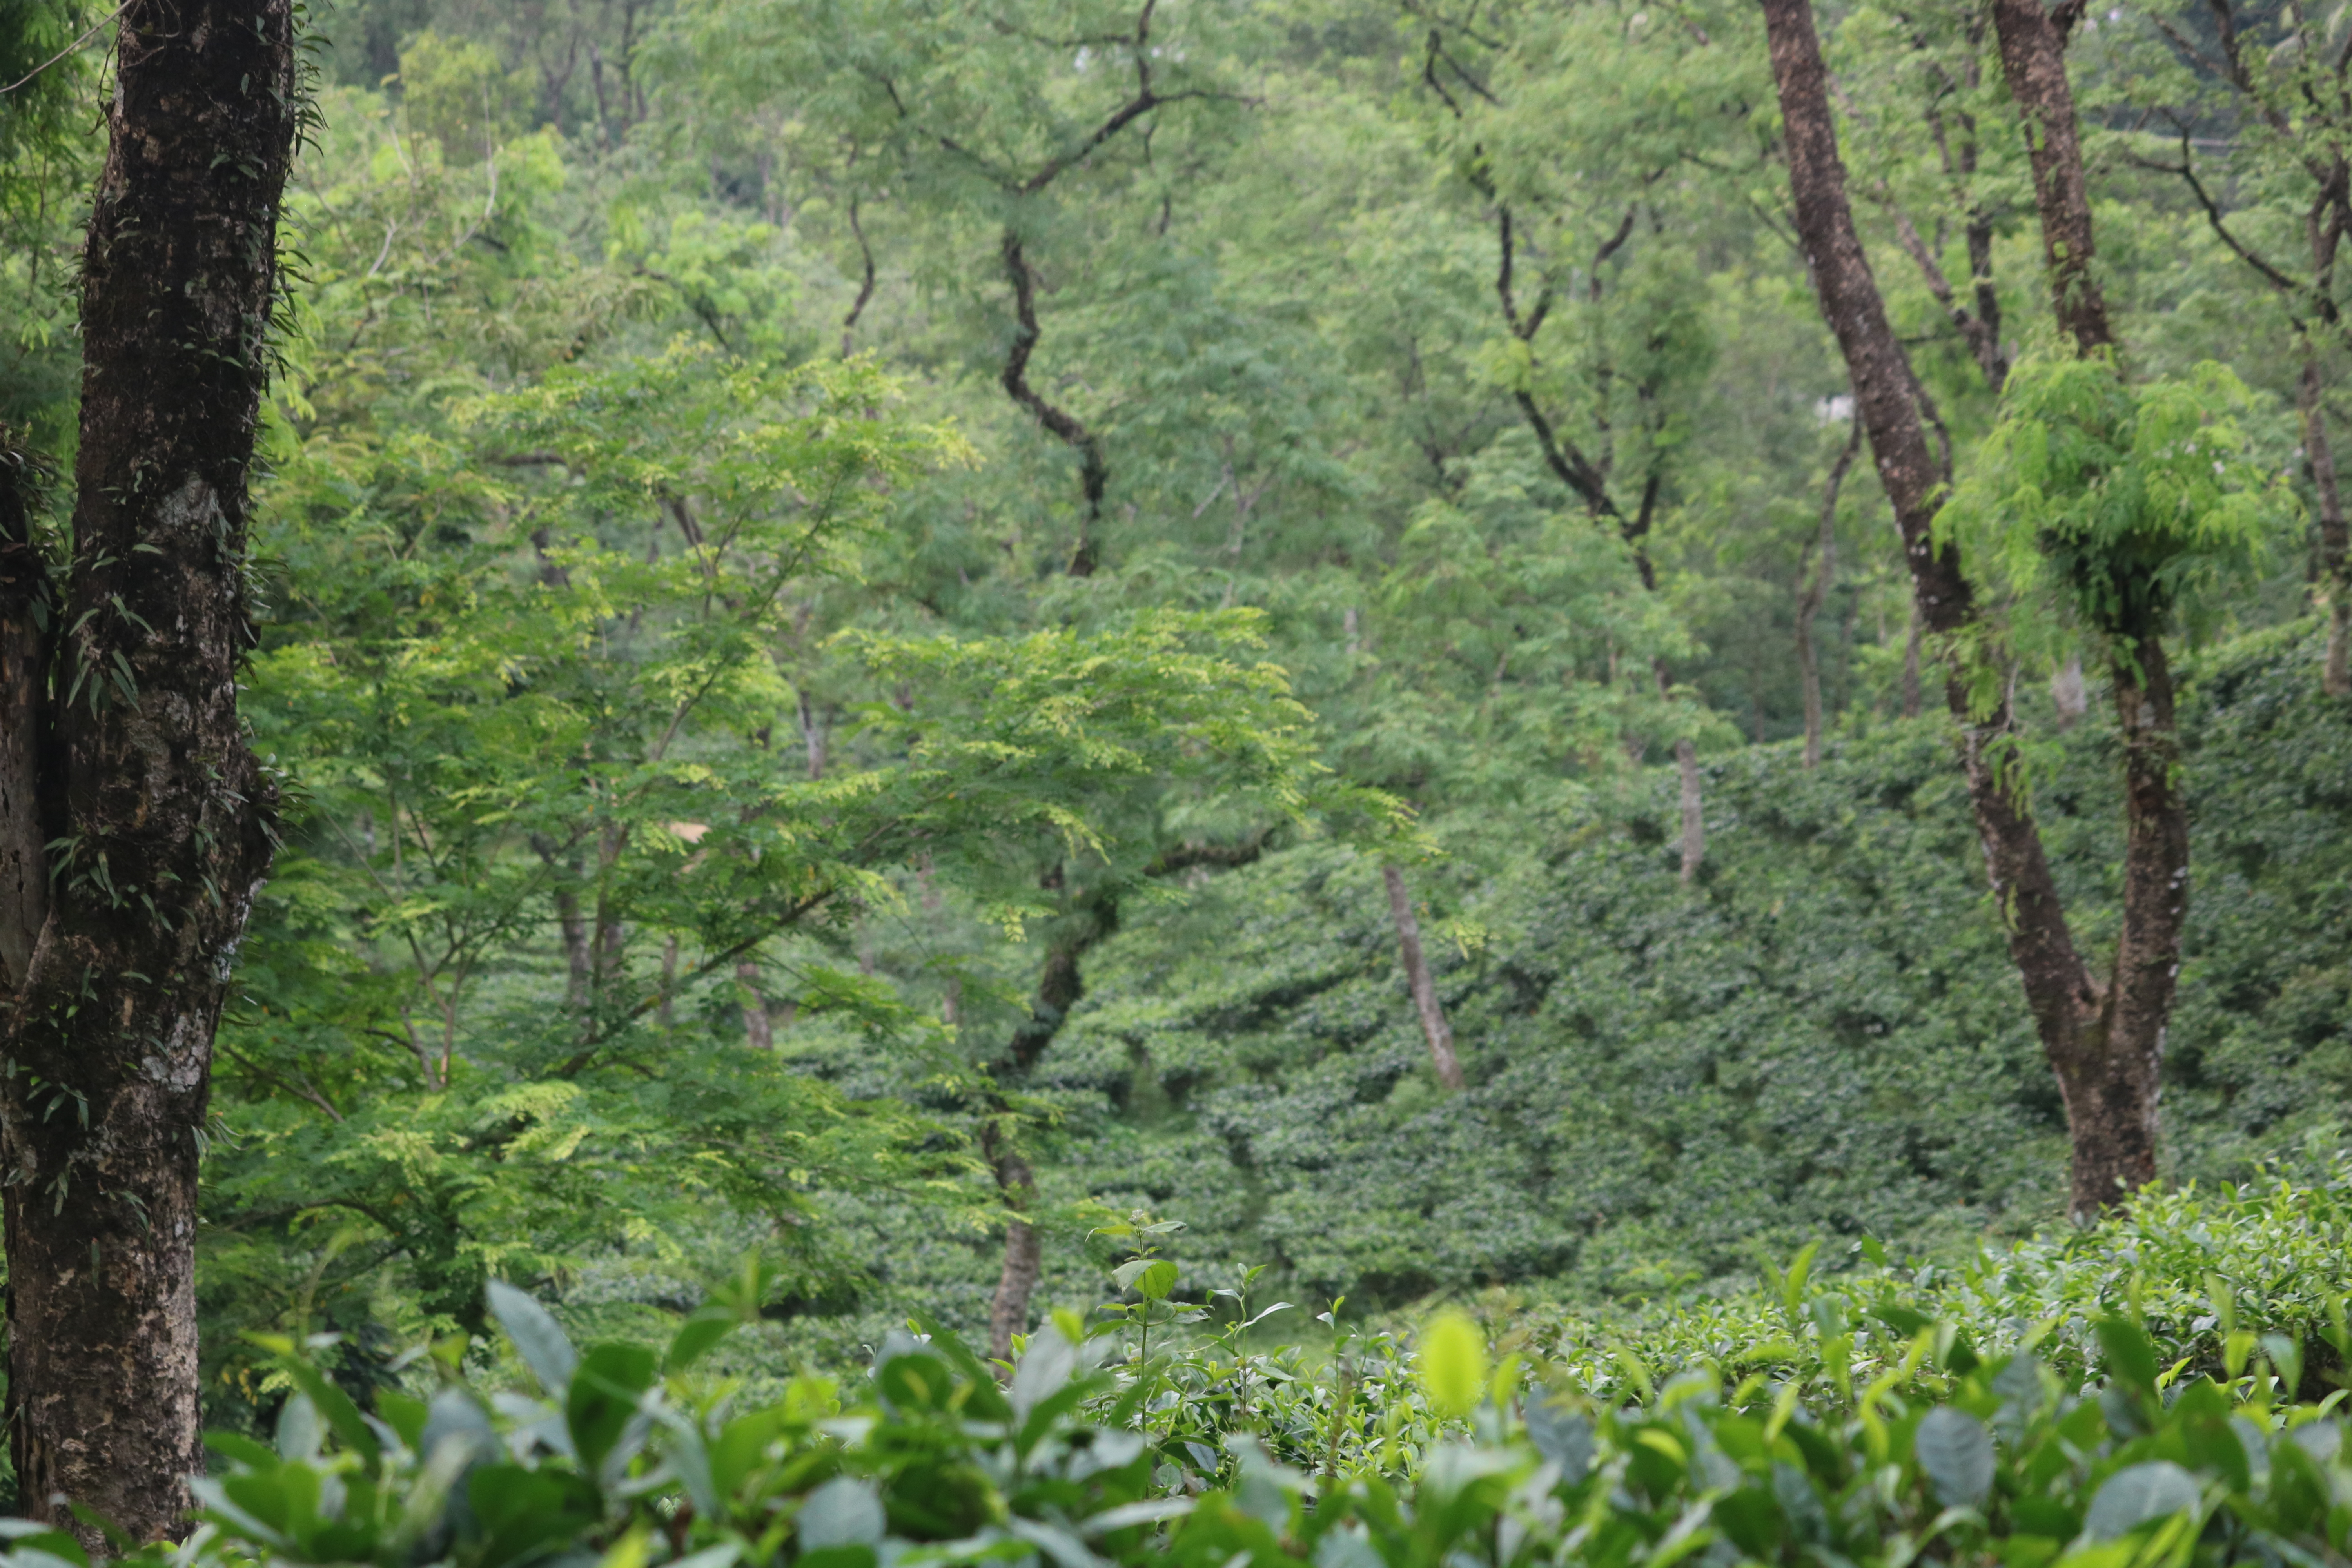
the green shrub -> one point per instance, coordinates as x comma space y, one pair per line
2206, 1271
2076, 1409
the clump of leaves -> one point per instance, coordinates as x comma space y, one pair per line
2115, 502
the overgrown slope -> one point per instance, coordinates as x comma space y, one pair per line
1824, 1037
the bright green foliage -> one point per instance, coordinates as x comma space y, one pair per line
2123, 499
614, 729
1452, 1364
2210, 1273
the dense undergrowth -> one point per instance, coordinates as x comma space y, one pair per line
1823, 1038
2159, 1390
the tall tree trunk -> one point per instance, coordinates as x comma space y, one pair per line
1092, 917
2033, 60
1433, 1027
2118, 1059
2103, 1041
166, 814
1061, 986
2112, 1085
1816, 590
30, 816
1025, 1262
2335, 583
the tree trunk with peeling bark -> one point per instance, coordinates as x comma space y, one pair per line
140, 759
2104, 1040
1434, 1029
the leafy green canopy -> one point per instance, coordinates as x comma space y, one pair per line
528, 680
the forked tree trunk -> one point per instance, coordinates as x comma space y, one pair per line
164, 814
2104, 1040
1433, 1027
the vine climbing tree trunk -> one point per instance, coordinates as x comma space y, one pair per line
164, 816
2102, 1037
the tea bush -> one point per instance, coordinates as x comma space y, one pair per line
2205, 1269
2155, 1393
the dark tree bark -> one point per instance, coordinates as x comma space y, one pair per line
166, 816
2103, 1040
1094, 474
29, 814
1433, 1027
1816, 590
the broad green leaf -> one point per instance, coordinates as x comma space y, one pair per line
1956, 1453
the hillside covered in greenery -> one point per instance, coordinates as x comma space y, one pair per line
1391, 783
1668, 1084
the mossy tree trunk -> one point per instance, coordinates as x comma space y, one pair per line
155, 814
